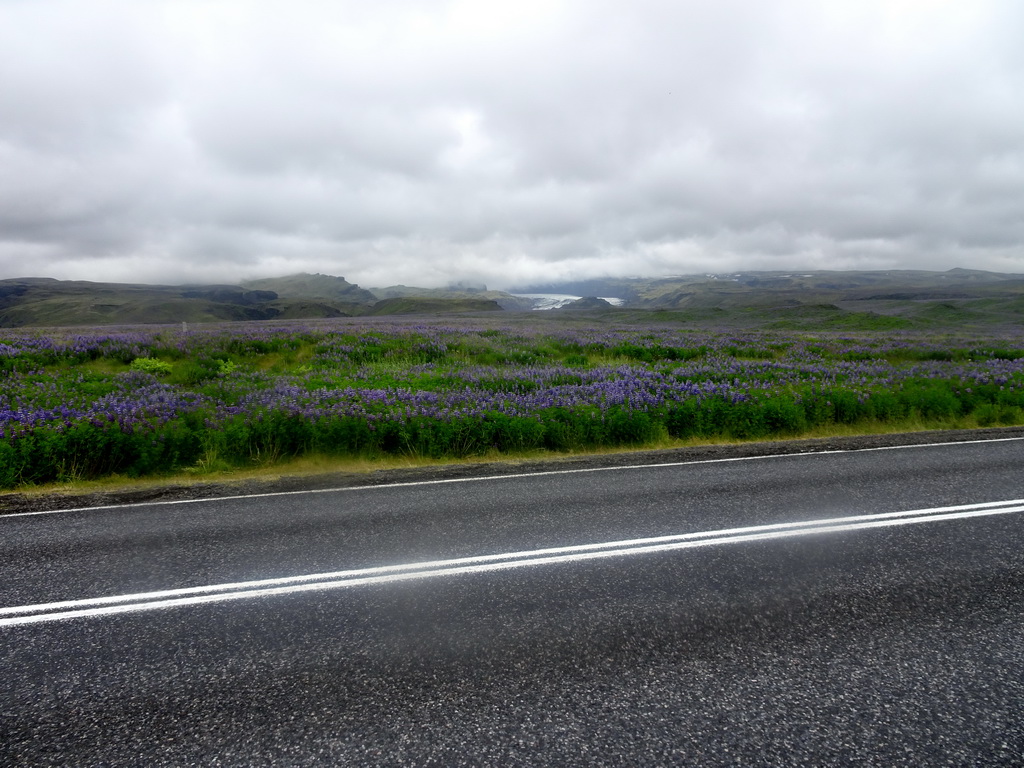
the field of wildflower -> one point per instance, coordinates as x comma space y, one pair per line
79, 404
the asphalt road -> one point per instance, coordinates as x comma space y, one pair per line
858, 607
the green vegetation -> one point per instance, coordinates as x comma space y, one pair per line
139, 402
151, 366
41, 302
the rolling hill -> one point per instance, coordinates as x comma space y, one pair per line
880, 301
46, 302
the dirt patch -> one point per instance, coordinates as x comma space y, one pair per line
13, 503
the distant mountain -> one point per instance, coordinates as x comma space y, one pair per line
458, 291
625, 288
878, 300
418, 305
396, 300
587, 302
49, 302
307, 286
760, 289
43, 302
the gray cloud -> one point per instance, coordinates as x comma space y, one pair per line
507, 142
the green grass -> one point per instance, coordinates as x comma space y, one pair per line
229, 401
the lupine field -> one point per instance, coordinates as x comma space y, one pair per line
79, 404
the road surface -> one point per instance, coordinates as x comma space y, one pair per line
827, 608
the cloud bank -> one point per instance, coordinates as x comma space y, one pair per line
507, 142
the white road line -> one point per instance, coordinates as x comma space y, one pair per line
70, 609
487, 478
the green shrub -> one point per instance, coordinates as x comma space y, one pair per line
151, 365
783, 416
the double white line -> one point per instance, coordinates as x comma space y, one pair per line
144, 601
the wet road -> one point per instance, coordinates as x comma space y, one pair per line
805, 609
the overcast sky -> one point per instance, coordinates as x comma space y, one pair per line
424, 142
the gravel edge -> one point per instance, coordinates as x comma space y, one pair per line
15, 502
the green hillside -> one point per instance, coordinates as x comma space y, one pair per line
415, 305
878, 300
306, 286
48, 302
504, 300
42, 302
870, 301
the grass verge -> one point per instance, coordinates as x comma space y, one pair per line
320, 464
